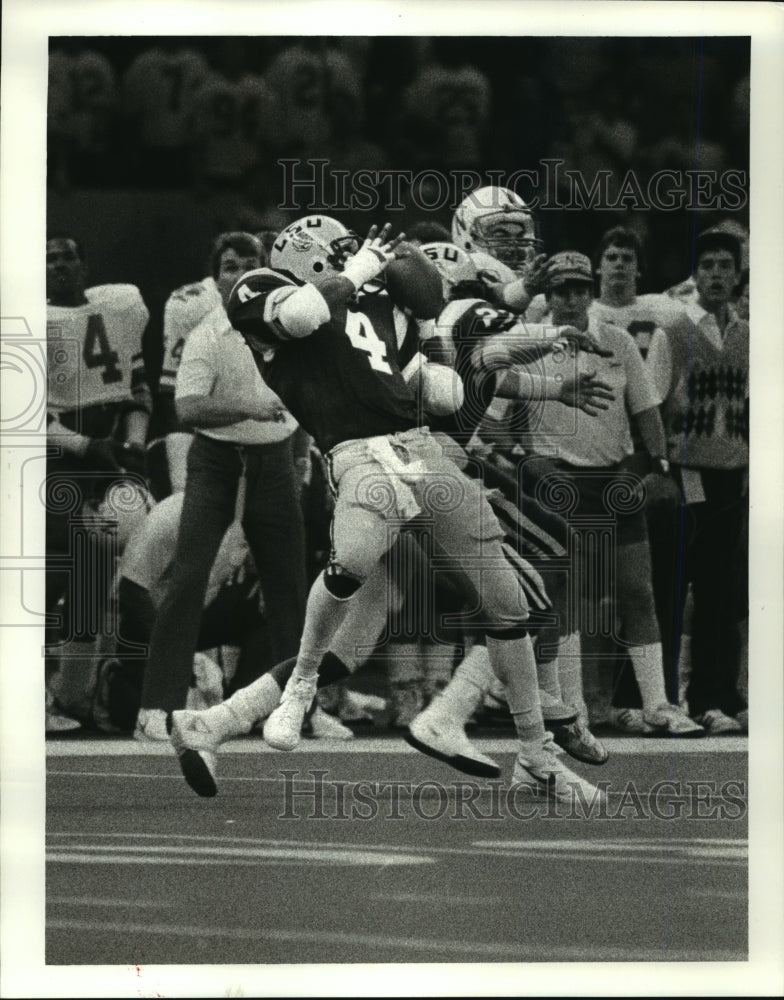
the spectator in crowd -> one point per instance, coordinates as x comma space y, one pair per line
704, 365
298, 77
98, 409
240, 466
589, 458
619, 265
444, 119
230, 120
82, 114
158, 88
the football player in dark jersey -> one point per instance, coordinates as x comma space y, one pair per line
324, 332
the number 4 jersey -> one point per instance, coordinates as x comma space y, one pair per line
95, 350
341, 382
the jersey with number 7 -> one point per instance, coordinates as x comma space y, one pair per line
95, 350
342, 382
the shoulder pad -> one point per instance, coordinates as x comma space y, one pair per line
259, 282
117, 296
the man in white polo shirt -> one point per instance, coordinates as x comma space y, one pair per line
588, 455
240, 466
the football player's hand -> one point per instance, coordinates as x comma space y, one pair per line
583, 341
535, 279
586, 392
100, 455
380, 244
376, 252
660, 492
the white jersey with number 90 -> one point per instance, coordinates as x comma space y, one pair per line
95, 350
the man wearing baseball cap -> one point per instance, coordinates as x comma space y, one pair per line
589, 458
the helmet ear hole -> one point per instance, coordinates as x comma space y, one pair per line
318, 266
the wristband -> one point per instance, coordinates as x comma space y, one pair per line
362, 267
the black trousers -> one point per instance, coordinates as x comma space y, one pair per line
274, 530
705, 545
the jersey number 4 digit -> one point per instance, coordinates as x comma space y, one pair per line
362, 335
97, 352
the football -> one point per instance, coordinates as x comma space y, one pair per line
414, 283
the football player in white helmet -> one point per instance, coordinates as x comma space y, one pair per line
496, 223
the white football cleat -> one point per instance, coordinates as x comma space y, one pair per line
283, 728
443, 737
540, 776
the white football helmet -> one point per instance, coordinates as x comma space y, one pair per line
498, 222
454, 265
313, 248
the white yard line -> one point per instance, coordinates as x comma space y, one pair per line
403, 946
620, 747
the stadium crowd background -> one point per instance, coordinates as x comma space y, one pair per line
146, 171
156, 145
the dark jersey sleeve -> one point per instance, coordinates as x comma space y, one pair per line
469, 322
246, 307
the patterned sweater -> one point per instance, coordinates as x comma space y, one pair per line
706, 411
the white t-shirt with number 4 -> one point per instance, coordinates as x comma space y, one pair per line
185, 308
95, 350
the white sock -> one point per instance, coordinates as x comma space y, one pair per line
570, 671
468, 686
246, 707
364, 621
323, 617
548, 678
514, 664
649, 671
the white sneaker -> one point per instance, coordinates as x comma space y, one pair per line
324, 726
671, 720
196, 745
356, 706
439, 735
716, 723
151, 726
630, 722
283, 728
55, 721
540, 775
208, 678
